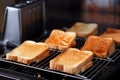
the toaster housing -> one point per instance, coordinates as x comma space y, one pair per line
23, 21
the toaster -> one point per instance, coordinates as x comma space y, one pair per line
23, 21
3, 4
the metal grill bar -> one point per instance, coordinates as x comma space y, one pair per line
115, 55
42, 64
99, 66
79, 42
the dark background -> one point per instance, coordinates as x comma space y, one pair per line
67, 12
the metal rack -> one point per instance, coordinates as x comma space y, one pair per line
42, 68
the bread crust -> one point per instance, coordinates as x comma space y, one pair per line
28, 52
71, 61
87, 66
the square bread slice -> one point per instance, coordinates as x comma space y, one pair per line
28, 52
61, 40
84, 29
71, 61
112, 33
101, 47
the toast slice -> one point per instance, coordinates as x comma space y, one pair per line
28, 52
112, 33
61, 40
112, 30
101, 47
115, 36
84, 29
71, 61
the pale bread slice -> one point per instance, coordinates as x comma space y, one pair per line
84, 29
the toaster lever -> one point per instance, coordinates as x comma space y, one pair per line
11, 44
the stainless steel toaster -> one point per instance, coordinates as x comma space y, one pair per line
23, 21
3, 4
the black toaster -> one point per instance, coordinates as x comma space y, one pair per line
23, 21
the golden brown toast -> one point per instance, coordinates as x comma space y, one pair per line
61, 40
84, 29
115, 36
101, 47
71, 61
112, 33
112, 30
28, 52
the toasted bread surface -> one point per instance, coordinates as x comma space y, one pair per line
115, 36
99, 46
112, 30
59, 39
112, 33
71, 60
28, 52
